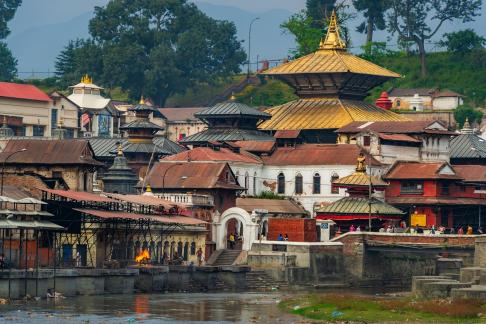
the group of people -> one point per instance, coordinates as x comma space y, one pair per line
283, 237
178, 259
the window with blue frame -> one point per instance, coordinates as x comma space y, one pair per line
38, 130
53, 119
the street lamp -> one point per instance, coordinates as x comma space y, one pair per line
3, 166
249, 45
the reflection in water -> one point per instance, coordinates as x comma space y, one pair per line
243, 308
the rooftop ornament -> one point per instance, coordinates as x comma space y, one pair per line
333, 40
86, 79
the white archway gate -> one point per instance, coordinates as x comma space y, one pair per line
250, 228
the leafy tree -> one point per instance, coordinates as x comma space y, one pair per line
462, 41
413, 20
159, 48
465, 111
377, 51
309, 25
374, 12
7, 12
8, 64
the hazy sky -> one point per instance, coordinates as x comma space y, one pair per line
260, 5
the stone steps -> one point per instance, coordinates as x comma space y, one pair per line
473, 292
261, 281
227, 257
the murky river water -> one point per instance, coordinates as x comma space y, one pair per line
164, 308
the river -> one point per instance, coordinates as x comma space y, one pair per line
153, 308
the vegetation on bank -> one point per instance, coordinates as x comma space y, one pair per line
347, 307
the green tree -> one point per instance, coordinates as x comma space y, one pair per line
159, 48
8, 64
7, 12
309, 25
462, 41
374, 13
419, 20
465, 111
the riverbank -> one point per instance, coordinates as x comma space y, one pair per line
385, 308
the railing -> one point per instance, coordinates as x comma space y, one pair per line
189, 199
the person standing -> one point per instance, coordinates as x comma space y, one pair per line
280, 237
352, 228
460, 231
469, 230
199, 255
232, 241
286, 237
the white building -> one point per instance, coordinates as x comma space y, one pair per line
419, 99
98, 118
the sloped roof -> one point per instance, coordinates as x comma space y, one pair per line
421, 170
274, 206
227, 134
399, 138
394, 127
231, 109
51, 152
181, 114
141, 124
284, 134
410, 92
471, 173
210, 155
89, 101
325, 113
468, 146
256, 146
106, 147
190, 175
315, 154
359, 205
360, 179
22, 91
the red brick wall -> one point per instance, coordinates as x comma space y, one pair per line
298, 230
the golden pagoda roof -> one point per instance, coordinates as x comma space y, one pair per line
325, 113
331, 57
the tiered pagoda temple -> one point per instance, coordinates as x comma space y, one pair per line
331, 85
120, 178
358, 207
229, 122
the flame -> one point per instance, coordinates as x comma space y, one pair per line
143, 256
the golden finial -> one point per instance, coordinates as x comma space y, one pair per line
361, 165
333, 40
148, 188
86, 79
233, 98
142, 101
120, 151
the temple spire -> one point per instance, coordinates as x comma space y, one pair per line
466, 128
333, 40
361, 163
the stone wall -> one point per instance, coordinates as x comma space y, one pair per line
480, 252
297, 229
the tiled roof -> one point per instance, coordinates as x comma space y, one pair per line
399, 138
208, 154
468, 146
420, 170
226, 134
315, 154
471, 173
181, 114
49, 152
232, 108
331, 61
190, 175
22, 91
395, 127
256, 146
325, 113
274, 206
359, 205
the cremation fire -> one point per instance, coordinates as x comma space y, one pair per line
143, 256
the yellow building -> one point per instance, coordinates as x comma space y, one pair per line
331, 84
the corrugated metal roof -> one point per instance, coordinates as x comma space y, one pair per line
50, 152
107, 147
471, 173
256, 146
22, 91
468, 146
274, 206
399, 138
395, 127
420, 170
210, 155
181, 114
315, 154
331, 61
325, 113
231, 108
79, 195
132, 216
435, 201
360, 179
191, 175
36, 224
145, 200
287, 134
359, 205
141, 124
226, 134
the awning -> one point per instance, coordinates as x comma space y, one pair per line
146, 200
181, 220
338, 218
25, 212
79, 195
13, 224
